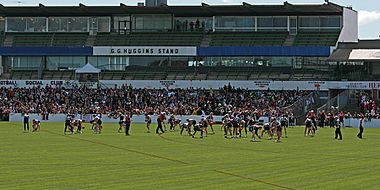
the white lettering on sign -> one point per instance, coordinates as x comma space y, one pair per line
145, 51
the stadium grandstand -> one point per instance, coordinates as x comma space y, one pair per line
230, 42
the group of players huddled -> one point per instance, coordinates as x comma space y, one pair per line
234, 124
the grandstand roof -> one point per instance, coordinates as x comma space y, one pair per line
203, 10
344, 50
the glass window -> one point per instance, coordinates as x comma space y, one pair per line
65, 62
234, 23
330, 21
37, 24
268, 23
199, 23
66, 24
16, 24
261, 61
280, 22
103, 62
58, 24
151, 22
124, 22
78, 61
264, 22
78, 24
309, 21
103, 24
24, 62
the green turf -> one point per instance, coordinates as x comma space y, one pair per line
50, 160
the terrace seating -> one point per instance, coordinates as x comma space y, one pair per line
69, 39
24, 74
49, 39
32, 39
317, 38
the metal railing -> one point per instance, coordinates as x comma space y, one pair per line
303, 105
337, 103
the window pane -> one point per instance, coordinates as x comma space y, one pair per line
152, 22
183, 23
79, 62
234, 23
331, 21
58, 24
264, 22
309, 21
37, 24
280, 21
66, 24
16, 24
103, 24
78, 24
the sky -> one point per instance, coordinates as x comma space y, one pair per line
369, 10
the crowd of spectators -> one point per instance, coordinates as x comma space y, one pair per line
367, 105
52, 100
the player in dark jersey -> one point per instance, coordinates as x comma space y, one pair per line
68, 124
187, 126
284, 122
171, 122
235, 125
361, 128
26, 122
338, 132
148, 121
247, 118
267, 130
78, 123
210, 120
254, 129
199, 127
160, 123
36, 124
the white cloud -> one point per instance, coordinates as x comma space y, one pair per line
367, 17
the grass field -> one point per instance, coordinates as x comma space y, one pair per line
50, 160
